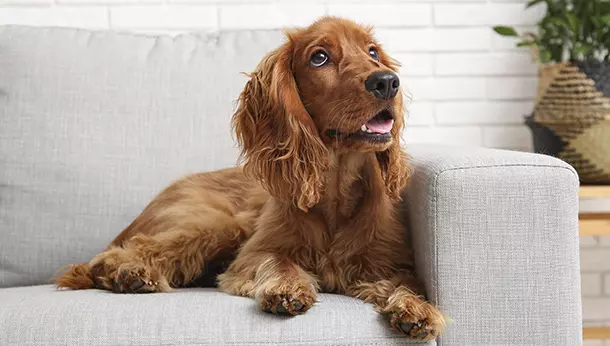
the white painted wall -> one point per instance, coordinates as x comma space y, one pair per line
468, 85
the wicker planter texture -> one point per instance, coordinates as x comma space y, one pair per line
571, 119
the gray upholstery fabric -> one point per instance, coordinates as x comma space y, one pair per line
495, 235
40, 315
94, 124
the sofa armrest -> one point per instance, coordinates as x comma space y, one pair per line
495, 237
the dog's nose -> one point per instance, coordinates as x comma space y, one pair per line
384, 85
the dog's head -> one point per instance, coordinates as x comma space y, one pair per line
330, 87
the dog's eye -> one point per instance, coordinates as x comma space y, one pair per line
318, 58
374, 54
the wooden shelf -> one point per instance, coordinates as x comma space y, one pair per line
594, 224
596, 333
594, 191
591, 224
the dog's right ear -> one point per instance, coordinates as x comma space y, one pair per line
280, 144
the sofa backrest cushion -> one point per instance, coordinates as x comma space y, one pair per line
93, 124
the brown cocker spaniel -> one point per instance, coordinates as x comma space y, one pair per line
315, 206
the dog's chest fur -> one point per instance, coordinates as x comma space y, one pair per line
349, 243
345, 190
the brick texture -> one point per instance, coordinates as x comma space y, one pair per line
510, 137
466, 84
485, 14
91, 17
275, 16
596, 258
386, 15
107, 2
162, 17
591, 284
484, 64
435, 39
26, 2
482, 112
596, 309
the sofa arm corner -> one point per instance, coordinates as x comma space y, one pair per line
495, 237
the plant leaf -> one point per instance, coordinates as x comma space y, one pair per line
582, 49
545, 56
569, 29
574, 22
556, 52
558, 21
532, 3
505, 31
604, 8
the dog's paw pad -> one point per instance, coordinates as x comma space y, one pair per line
415, 318
136, 284
424, 329
418, 330
406, 326
134, 280
285, 305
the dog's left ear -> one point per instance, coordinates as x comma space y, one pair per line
394, 162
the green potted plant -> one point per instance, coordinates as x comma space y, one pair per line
571, 118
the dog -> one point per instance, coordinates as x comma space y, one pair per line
314, 206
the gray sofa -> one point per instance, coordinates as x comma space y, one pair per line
94, 124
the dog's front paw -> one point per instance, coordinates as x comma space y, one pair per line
414, 317
425, 326
286, 299
138, 279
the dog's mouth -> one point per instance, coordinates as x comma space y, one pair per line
377, 129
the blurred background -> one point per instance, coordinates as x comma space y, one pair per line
468, 84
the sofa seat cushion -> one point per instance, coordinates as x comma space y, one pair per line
42, 315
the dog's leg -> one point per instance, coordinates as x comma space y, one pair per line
278, 285
121, 270
400, 299
184, 236
156, 263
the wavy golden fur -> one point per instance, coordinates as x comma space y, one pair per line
312, 209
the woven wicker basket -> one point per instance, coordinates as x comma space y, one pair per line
573, 106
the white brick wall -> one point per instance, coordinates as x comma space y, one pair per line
468, 85
595, 267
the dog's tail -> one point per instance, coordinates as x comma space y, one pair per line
76, 277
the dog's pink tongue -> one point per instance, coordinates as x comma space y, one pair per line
380, 125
